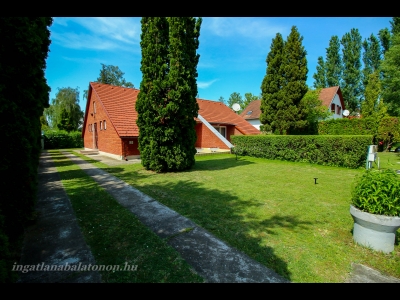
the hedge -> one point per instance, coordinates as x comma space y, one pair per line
328, 150
367, 126
60, 139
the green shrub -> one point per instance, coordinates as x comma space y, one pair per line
377, 192
61, 139
329, 150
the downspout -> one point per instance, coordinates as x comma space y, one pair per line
213, 130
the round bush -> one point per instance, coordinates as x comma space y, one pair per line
377, 192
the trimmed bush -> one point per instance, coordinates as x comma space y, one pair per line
367, 126
61, 139
328, 150
377, 192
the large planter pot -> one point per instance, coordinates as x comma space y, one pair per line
374, 231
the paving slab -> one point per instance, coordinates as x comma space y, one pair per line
55, 240
364, 274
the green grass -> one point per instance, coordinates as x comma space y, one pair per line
116, 236
271, 210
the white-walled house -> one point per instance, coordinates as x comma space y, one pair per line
252, 113
331, 97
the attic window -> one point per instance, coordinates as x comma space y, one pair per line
249, 112
94, 107
101, 125
104, 124
333, 107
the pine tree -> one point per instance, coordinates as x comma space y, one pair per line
369, 106
295, 84
284, 85
166, 104
333, 63
271, 85
320, 75
395, 23
351, 87
384, 38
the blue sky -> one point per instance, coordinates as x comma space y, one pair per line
232, 49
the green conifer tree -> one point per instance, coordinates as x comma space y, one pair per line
166, 104
320, 75
351, 86
271, 85
333, 63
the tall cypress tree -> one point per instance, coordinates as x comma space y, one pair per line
352, 89
320, 75
179, 150
272, 84
153, 89
166, 103
333, 63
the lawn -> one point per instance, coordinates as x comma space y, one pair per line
116, 236
275, 211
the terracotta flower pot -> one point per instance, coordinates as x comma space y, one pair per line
374, 231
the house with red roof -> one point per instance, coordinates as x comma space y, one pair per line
110, 122
331, 97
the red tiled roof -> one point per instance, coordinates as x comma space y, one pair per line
218, 113
327, 95
252, 111
119, 105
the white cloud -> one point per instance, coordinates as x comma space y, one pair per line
100, 33
205, 84
254, 27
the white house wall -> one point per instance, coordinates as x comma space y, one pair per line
255, 122
336, 101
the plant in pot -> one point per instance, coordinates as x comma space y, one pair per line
375, 208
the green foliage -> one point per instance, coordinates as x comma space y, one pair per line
320, 76
389, 131
248, 98
377, 192
64, 112
166, 104
284, 85
372, 102
371, 58
384, 38
236, 98
110, 74
61, 139
24, 94
351, 86
333, 64
390, 68
342, 151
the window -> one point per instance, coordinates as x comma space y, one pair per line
104, 124
249, 112
89, 127
131, 142
101, 125
94, 107
221, 130
333, 107
338, 110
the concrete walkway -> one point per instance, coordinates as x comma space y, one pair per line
56, 238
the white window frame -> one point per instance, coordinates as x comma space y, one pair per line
218, 128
